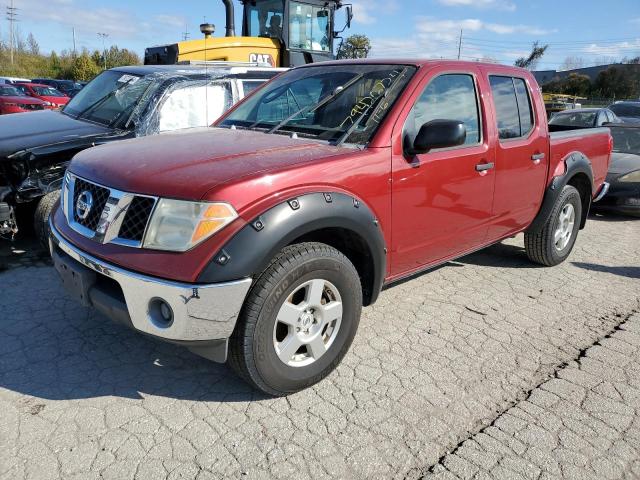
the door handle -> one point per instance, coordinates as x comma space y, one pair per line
483, 167
537, 157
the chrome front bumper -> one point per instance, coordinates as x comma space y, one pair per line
200, 312
603, 191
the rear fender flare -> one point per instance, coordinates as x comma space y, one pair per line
251, 250
575, 163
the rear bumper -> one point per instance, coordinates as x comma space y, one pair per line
200, 313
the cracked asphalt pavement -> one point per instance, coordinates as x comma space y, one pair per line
488, 367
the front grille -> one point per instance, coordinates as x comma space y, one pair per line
135, 221
100, 196
124, 222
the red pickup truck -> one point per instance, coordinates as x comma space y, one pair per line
259, 241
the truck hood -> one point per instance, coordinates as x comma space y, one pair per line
45, 127
188, 164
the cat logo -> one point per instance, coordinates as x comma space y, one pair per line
263, 58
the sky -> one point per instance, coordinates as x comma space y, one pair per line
596, 31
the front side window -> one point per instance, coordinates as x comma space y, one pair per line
447, 97
325, 102
309, 27
265, 18
514, 114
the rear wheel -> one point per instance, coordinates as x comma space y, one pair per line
298, 321
552, 244
41, 218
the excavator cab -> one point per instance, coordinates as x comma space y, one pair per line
281, 33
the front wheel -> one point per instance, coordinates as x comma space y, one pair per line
552, 244
298, 321
41, 217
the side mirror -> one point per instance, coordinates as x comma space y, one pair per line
438, 134
349, 15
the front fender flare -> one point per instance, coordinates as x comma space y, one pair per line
251, 250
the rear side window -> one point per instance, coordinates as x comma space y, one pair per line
514, 114
447, 97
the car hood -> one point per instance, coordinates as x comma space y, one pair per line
634, 120
190, 163
20, 99
45, 127
58, 100
622, 163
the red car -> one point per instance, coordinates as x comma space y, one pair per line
260, 241
54, 98
13, 100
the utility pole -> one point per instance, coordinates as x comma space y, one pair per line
104, 48
74, 42
460, 44
12, 16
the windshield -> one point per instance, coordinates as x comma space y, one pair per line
109, 98
10, 92
48, 92
625, 139
357, 102
574, 119
625, 110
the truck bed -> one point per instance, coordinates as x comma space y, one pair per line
594, 143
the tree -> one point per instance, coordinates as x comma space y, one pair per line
32, 43
577, 85
356, 46
617, 82
531, 61
84, 68
572, 63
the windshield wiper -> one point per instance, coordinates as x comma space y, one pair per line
103, 100
374, 105
312, 108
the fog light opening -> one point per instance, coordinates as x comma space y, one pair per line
160, 313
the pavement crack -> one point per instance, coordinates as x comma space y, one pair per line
526, 394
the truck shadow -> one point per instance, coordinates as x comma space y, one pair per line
60, 351
499, 255
629, 272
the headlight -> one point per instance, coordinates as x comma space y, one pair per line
179, 225
630, 177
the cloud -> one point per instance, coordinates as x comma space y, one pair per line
619, 49
435, 38
362, 10
119, 23
495, 4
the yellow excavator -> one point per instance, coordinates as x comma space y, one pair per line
281, 33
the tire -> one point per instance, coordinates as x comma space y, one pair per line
543, 246
41, 218
261, 342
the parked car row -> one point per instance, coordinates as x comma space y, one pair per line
22, 95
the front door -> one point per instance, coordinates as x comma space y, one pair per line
442, 200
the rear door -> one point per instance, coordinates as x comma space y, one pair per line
521, 154
442, 200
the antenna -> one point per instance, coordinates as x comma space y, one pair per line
185, 34
460, 44
12, 16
